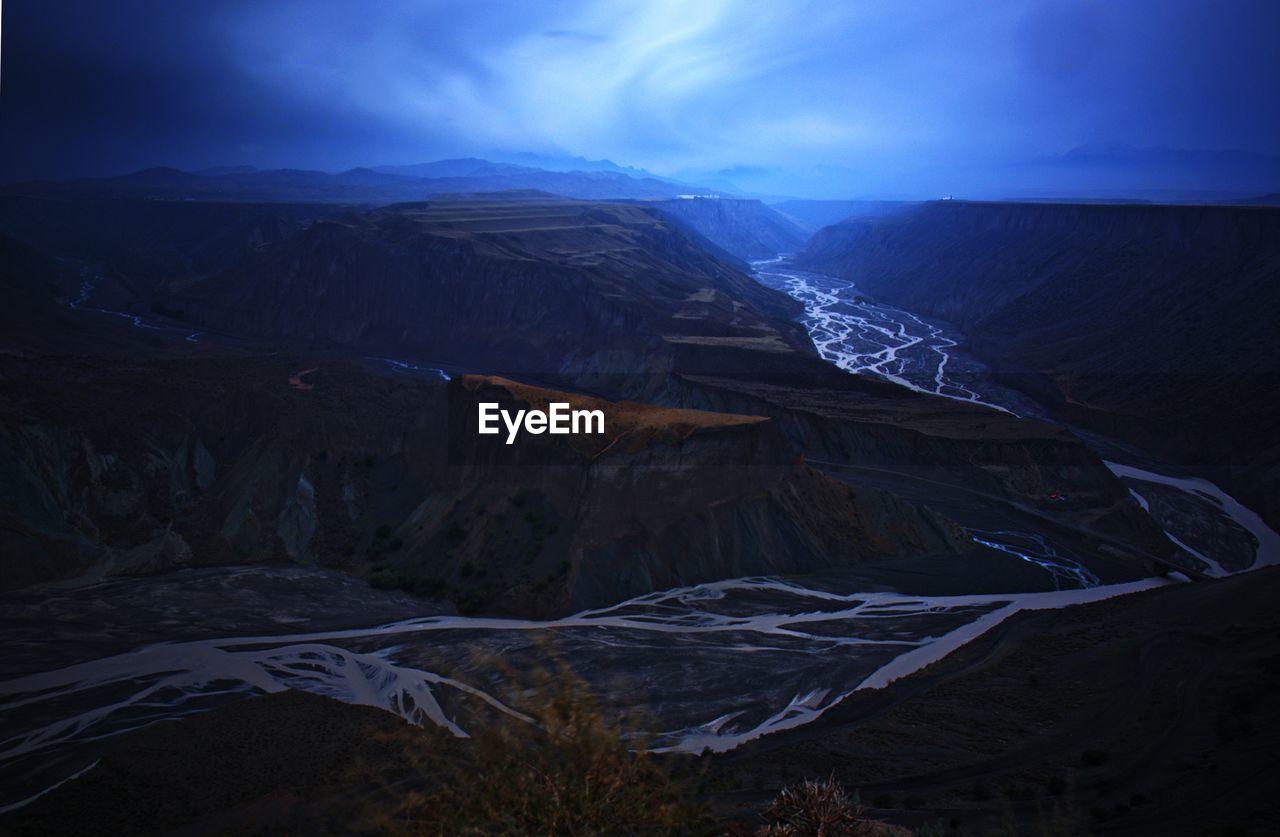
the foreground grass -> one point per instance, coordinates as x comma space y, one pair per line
567, 771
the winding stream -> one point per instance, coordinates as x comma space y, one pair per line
682, 655
691, 659
864, 337
1218, 534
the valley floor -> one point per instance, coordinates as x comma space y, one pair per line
1156, 713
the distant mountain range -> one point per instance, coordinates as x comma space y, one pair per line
371, 186
1106, 173
567, 162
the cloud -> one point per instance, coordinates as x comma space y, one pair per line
575, 35
882, 89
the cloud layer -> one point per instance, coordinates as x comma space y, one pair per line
860, 97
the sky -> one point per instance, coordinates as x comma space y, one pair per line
863, 98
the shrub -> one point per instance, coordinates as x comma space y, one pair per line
419, 585
423, 585
473, 601
384, 579
815, 809
568, 770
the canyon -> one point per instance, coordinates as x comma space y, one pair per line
280, 403
1135, 321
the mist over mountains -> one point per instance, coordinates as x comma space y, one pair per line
1098, 173
388, 184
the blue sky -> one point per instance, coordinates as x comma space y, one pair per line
830, 99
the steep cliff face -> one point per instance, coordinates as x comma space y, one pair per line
148, 452
967, 460
651, 503
1152, 323
747, 229
226, 462
159, 464
533, 286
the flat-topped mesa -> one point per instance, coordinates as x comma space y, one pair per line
526, 286
627, 426
652, 464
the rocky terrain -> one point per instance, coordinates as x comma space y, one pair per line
612, 299
149, 451
1150, 323
648, 505
278, 406
982, 467
225, 462
598, 418
535, 285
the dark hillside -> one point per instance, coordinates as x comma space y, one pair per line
1153, 323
